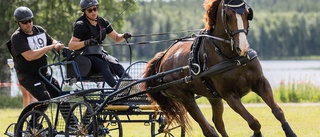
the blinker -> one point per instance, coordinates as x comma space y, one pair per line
239, 6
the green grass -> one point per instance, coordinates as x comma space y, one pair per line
10, 102
303, 118
297, 92
289, 93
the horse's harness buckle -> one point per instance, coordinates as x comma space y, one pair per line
195, 69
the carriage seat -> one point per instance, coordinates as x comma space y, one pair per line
83, 66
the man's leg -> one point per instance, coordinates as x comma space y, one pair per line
119, 70
99, 65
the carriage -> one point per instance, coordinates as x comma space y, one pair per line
216, 63
89, 107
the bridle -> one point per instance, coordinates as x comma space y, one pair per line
226, 28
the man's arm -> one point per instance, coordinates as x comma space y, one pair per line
31, 55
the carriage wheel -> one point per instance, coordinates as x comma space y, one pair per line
81, 121
166, 128
113, 126
34, 124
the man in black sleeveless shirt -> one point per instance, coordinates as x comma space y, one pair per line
91, 30
29, 45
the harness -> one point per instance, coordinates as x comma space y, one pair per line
198, 70
194, 58
194, 61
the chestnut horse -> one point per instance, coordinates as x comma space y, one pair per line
226, 24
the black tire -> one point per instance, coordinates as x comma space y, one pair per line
34, 124
164, 128
81, 121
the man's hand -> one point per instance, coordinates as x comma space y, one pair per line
91, 42
127, 35
58, 46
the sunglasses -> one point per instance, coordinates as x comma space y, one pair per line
95, 9
26, 21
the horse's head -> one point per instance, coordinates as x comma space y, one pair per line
229, 19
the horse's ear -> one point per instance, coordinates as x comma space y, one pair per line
250, 14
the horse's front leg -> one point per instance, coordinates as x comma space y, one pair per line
217, 111
195, 112
235, 103
265, 92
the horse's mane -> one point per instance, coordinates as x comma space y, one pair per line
210, 16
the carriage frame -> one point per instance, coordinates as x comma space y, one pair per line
104, 108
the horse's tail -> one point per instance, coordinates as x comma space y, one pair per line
173, 110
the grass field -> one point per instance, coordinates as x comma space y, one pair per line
303, 118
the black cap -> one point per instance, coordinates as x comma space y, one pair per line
22, 13
88, 3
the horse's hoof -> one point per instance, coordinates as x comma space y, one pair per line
257, 135
287, 129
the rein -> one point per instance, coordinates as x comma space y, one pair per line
148, 42
120, 14
165, 33
216, 38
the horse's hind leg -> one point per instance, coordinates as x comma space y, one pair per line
217, 111
265, 92
235, 103
190, 104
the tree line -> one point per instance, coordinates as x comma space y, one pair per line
281, 29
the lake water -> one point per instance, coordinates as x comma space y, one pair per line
292, 71
288, 71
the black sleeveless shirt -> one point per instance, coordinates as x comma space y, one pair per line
22, 42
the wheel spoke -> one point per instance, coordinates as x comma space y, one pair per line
34, 124
81, 121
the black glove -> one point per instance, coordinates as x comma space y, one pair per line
127, 35
91, 42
